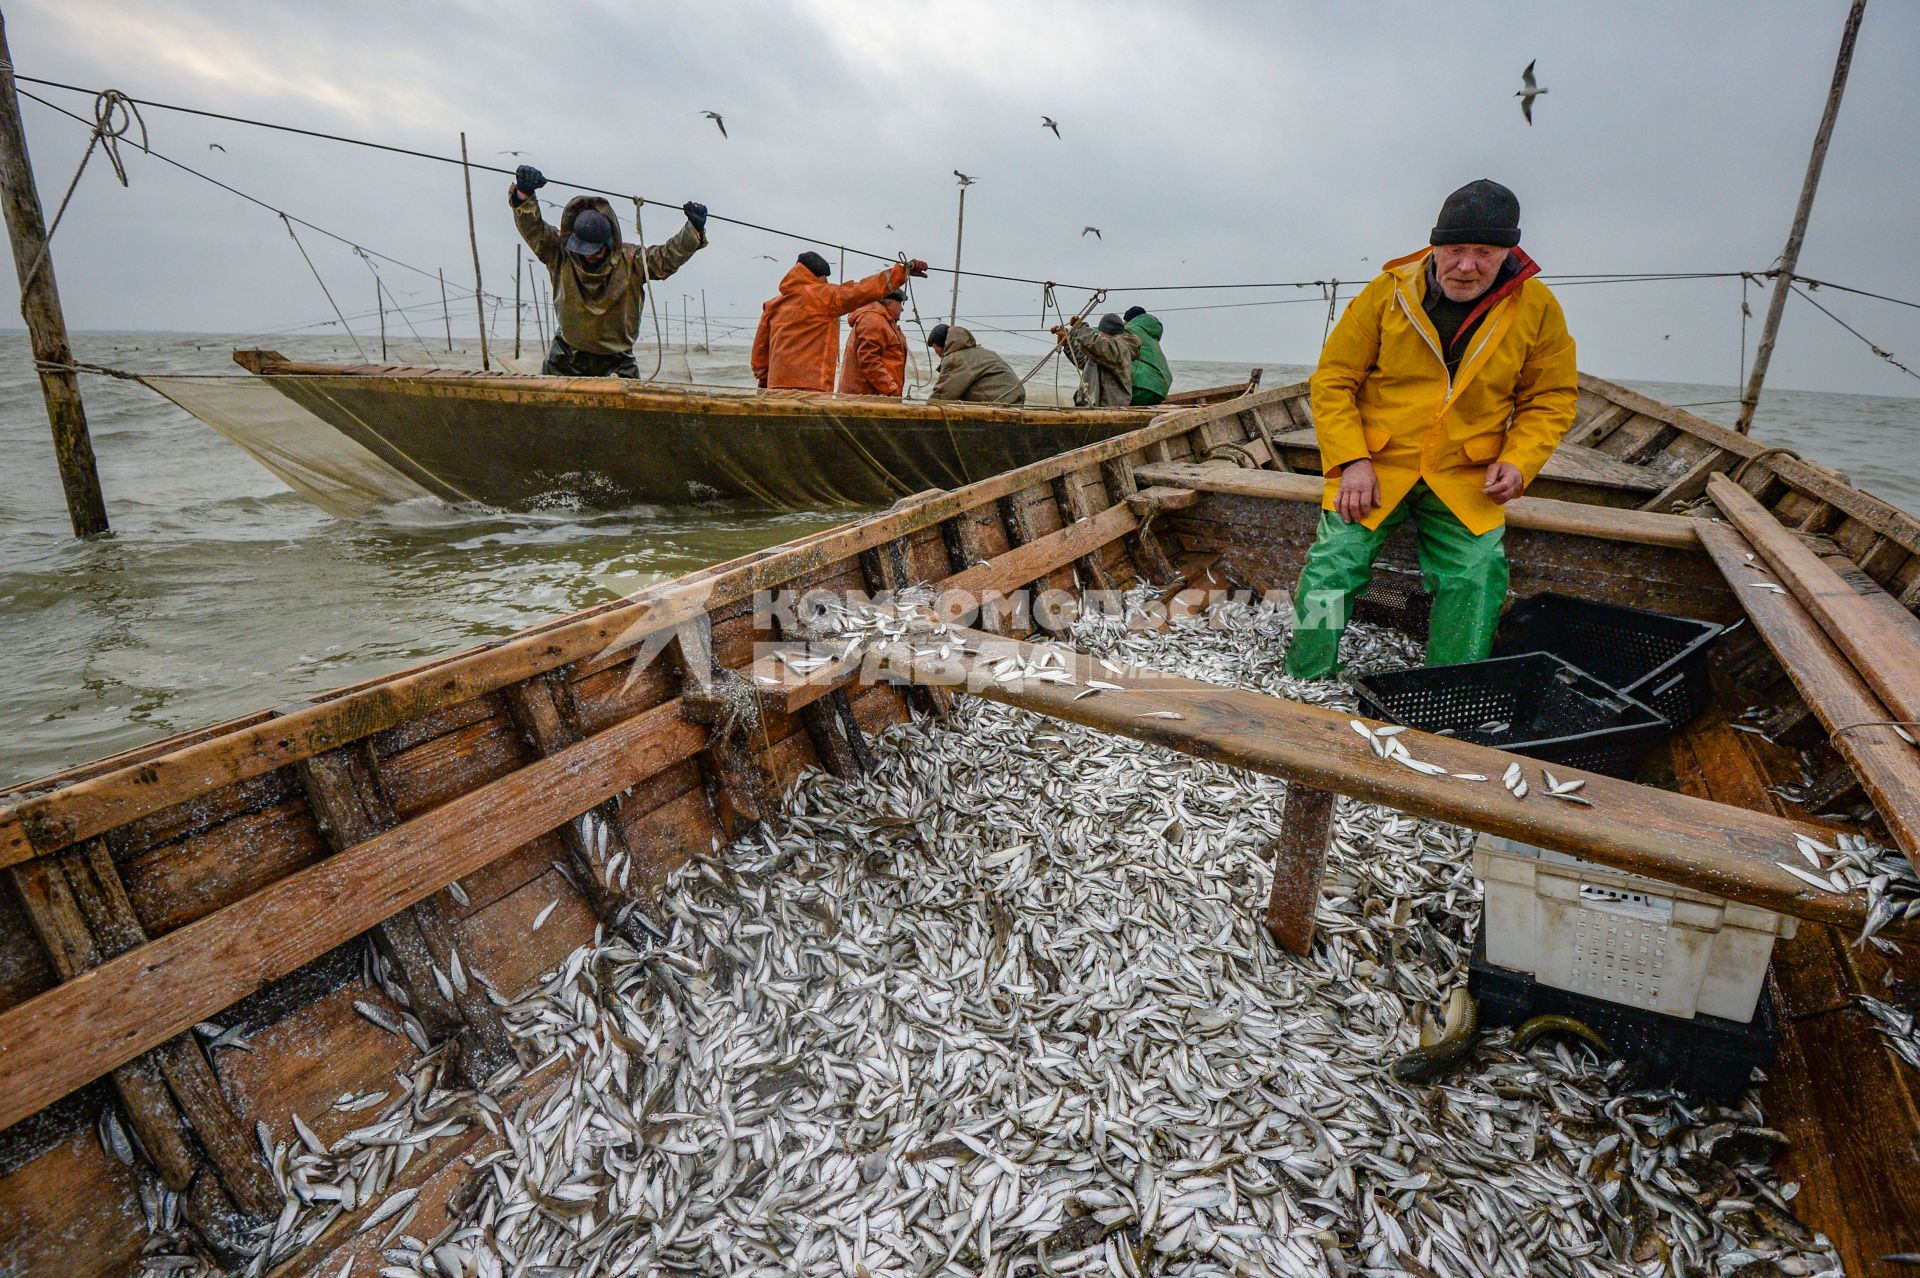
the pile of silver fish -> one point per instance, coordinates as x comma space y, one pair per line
1003, 1006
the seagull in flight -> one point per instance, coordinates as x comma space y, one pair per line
1529, 93
215, 146
509, 152
965, 179
1095, 231
1047, 122
767, 257
715, 117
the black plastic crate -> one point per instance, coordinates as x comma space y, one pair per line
1707, 1058
1535, 704
1653, 658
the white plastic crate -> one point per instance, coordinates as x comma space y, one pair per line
1620, 937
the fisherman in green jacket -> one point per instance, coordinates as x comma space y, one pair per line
1152, 379
970, 372
598, 281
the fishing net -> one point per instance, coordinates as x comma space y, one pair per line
303, 452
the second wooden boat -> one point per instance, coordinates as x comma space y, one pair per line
356, 439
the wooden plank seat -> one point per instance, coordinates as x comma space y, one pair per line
1695, 843
1570, 463
1543, 513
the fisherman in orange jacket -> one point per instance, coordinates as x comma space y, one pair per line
875, 361
797, 345
1441, 393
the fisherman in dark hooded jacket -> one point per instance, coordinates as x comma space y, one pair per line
1105, 358
970, 372
599, 281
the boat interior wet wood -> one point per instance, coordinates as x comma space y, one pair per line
229, 875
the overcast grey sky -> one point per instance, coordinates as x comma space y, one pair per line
1220, 142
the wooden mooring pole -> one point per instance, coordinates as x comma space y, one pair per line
380, 304
40, 307
1790, 258
516, 301
445, 314
706, 330
473, 239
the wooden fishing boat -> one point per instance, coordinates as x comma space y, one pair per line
358, 438
227, 874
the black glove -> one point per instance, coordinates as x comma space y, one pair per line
696, 214
529, 179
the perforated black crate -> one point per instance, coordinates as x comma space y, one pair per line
1535, 704
1708, 1058
1653, 658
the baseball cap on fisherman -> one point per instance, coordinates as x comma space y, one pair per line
591, 233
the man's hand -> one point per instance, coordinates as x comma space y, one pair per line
917, 268
527, 179
696, 215
1359, 491
1504, 482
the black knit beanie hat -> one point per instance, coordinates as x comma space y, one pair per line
938, 337
1482, 212
1134, 312
814, 262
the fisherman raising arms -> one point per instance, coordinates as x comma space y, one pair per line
598, 281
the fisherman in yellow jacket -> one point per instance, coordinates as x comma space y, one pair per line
1440, 394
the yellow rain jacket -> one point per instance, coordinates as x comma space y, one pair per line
1382, 392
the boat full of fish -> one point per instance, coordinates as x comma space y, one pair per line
1003, 1006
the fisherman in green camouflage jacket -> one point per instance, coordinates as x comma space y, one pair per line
598, 281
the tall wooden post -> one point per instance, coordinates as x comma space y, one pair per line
686, 326
380, 304
1790, 259
40, 307
959, 232
706, 330
473, 238
445, 314
516, 301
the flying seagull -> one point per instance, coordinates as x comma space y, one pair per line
1529, 93
889, 226
1096, 233
1047, 122
965, 180
765, 257
509, 152
215, 146
715, 117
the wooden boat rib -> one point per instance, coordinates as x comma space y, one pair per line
356, 438
226, 873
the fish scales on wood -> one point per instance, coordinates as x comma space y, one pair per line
543, 710
1887, 658
349, 797
171, 1098
1830, 686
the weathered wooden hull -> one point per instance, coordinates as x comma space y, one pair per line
539, 443
223, 874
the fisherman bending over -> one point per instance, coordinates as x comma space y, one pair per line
1441, 392
1152, 379
970, 373
875, 362
797, 345
1105, 360
598, 281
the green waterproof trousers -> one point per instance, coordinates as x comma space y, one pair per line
1465, 574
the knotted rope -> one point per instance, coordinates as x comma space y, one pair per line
114, 116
